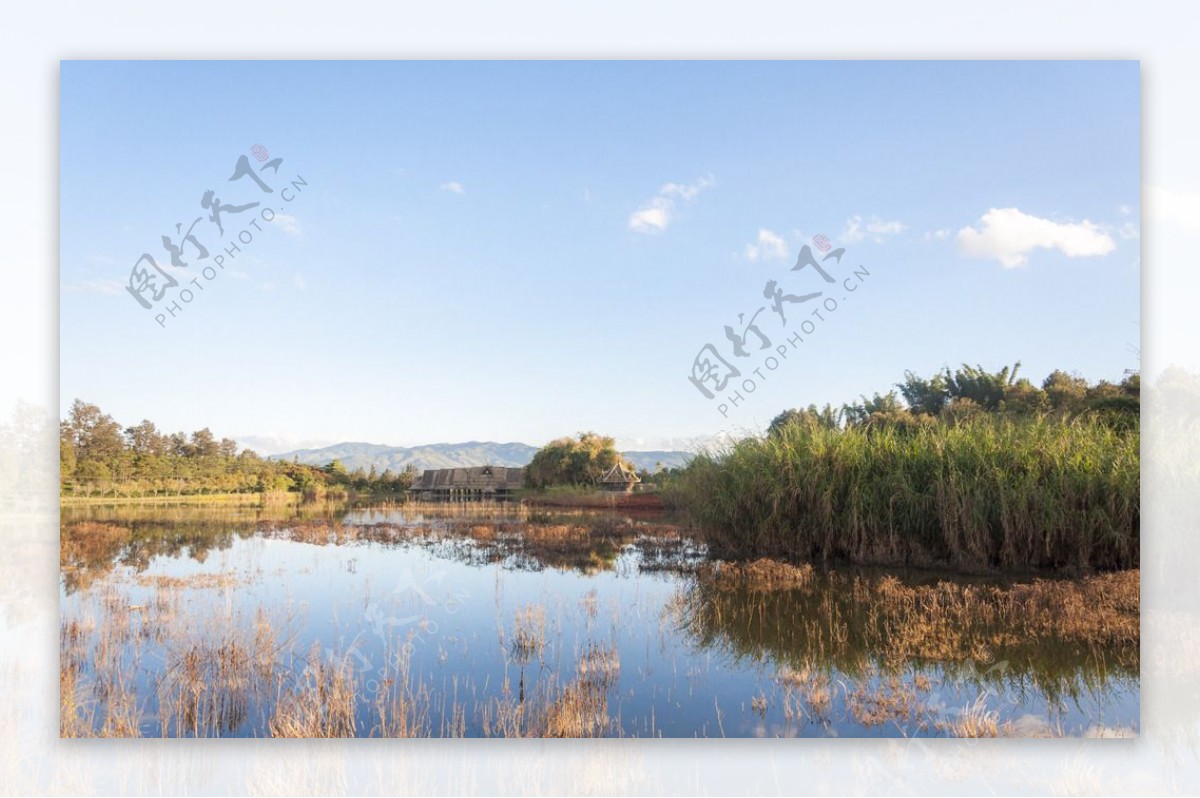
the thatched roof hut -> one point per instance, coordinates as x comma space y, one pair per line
619, 477
479, 482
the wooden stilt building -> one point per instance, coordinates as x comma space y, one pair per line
468, 484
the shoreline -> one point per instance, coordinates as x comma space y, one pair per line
208, 498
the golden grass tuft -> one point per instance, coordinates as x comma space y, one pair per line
976, 720
760, 574
192, 581
321, 703
890, 701
529, 632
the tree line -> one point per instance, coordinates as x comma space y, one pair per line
970, 391
98, 456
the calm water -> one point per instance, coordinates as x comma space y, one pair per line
452, 593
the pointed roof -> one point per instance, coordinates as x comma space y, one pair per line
619, 473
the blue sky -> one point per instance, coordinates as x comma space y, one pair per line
517, 251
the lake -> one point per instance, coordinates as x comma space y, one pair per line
500, 620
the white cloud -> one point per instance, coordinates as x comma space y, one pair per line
288, 223
453, 186
653, 217
768, 246
1129, 231
687, 191
1179, 208
657, 213
857, 229
300, 282
938, 235
1008, 235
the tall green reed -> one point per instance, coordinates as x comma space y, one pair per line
992, 492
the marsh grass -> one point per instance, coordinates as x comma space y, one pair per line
75, 718
761, 574
200, 580
993, 493
576, 707
892, 701
206, 689
580, 710
976, 720
529, 633
321, 703
807, 685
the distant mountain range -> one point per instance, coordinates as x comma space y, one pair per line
450, 455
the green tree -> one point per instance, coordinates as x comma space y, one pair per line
573, 461
811, 417
177, 444
878, 408
924, 396
202, 444
1066, 392
979, 385
95, 435
1024, 398
145, 439
66, 453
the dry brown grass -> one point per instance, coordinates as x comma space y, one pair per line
89, 540
567, 539
321, 703
219, 580
581, 709
891, 701
505, 715
950, 621
87, 549
813, 686
976, 721
578, 708
601, 664
851, 618
402, 704
529, 632
74, 718
206, 687
761, 574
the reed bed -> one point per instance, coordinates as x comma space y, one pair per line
992, 493
559, 708
230, 676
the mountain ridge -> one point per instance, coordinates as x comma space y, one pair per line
361, 454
